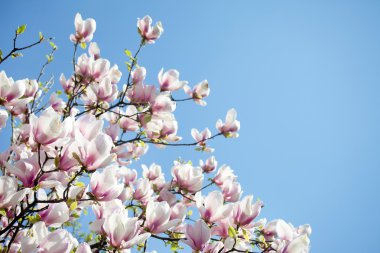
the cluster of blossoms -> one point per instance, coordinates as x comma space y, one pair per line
67, 157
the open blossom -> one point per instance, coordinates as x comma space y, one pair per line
158, 217
147, 32
3, 118
245, 212
187, 177
224, 173
209, 165
59, 241
200, 91
201, 138
10, 90
169, 81
163, 104
84, 29
129, 122
104, 185
231, 126
143, 190
142, 94
94, 50
197, 235
55, 215
163, 126
48, 128
212, 207
102, 210
57, 103
96, 152
123, 232
299, 245
9, 195
153, 172
231, 190
138, 75
26, 170
67, 85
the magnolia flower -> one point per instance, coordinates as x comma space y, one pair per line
102, 211
123, 232
169, 81
57, 103
10, 91
143, 190
67, 85
94, 50
200, 91
158, 217
209, 165
3, 118
153, 172
59, 241
211, 207
55, 215
245, 212
231, 126
104, 185
298, 245
26, 170
83, 248
92, 70
96, 153
224, 174
84, 29
48, 128
163, 126
187, 177
231, 190
142, 94
163, 104
201, 138
138, 75
197, 235
128, 175
105, 91
147, 32
31, 88
279, 229
9, 196
129, 122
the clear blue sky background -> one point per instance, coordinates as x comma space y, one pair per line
304, 77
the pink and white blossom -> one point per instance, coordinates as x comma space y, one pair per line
197, 235
169, 80
84, 29
147, 32
231, 126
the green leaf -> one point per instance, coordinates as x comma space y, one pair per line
20, 29
15, 55
3, 212
83, 45
80, 184
73, 206
49, 57
128, 53
58, 92
53, 45
40, 36
232, 232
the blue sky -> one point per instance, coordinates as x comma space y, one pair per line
303, 75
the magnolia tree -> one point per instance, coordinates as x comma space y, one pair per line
68, 156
